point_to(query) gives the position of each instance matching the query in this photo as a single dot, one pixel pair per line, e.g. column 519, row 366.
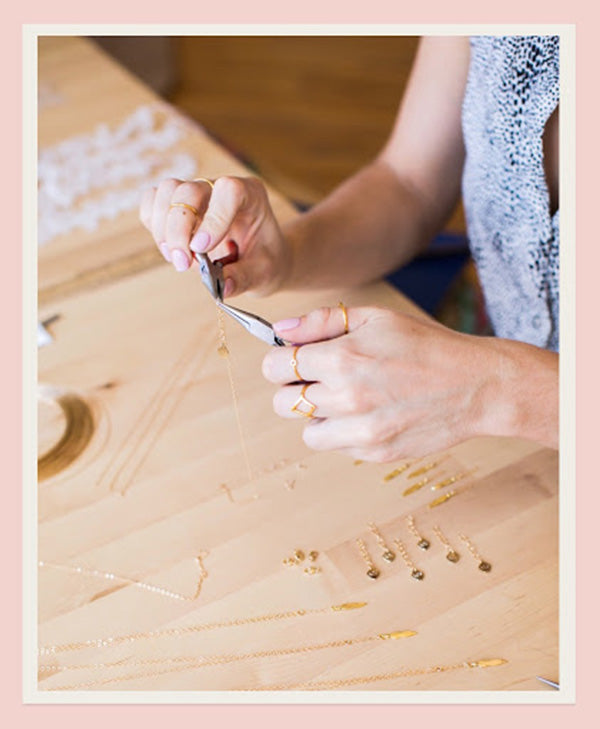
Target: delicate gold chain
column 357, row 680
column 192, row 662
column 388, row 555
column 422, row 543
column 484, row 566
column 116, row 640
column 451, row 554
column 372, row 572
column 223, row 350
column 416, row 573
column 76, row 569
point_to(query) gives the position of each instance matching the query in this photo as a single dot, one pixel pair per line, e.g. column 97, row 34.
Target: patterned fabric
column 512, row 89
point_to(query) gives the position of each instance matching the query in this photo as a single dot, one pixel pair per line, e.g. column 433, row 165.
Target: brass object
column 483, row 565
column 396, row 472
column 184, row 206
column 387, row 554
column 372, row 572
column 422, row 543
column 294, row 364
column 345, row 315
column 415, row 572
column 451, row 554
column 416, row 486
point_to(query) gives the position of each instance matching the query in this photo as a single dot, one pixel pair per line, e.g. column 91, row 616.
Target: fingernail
column 180, row 259
column 200, row 241
column 285, row 324
column 164, row 249
column 229, row 287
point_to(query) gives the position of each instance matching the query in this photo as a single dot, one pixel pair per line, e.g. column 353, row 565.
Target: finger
column 160, row 210
column 230, row 195
column 293, row 401
column 326, row 323
column 146, row 206
column 322, row 362
column 186, row 207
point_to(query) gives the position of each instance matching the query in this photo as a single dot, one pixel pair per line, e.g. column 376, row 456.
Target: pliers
column 212, row 277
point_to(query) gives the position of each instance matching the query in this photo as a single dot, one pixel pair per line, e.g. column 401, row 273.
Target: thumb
column 321, row 324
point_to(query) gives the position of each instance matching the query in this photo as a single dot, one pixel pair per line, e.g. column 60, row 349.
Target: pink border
column 579, row 12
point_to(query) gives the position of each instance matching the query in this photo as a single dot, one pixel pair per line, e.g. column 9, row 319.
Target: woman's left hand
column 395, row 386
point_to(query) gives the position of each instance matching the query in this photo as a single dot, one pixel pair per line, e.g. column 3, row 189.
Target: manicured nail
column 180, row 259
column 200, row 241
column 286, row 324
column 164, row 249
column 229, row 287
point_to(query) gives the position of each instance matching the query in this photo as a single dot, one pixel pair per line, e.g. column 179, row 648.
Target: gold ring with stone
column 345, row 315
column 294, row 363
column 303, row 400
column 204, row 179
column 184, row 205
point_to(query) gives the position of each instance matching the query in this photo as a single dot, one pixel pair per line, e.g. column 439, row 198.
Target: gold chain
column 484, row 566
column 187, row 663
column 422, row 543
column 388, row 555
column 73, row 569
column 190, row 629
column 356, row 680
column 416, row 573
column 223, row 350
column 451, row 554
column 372, row 572
column 396, row 472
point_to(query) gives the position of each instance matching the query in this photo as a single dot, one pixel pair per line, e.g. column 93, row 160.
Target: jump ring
column 183, row 205
column 204, row 179
column 345, row 315
column 294, row 363
column 303, row 400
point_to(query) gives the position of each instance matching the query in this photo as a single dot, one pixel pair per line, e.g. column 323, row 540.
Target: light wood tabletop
column 167, row 562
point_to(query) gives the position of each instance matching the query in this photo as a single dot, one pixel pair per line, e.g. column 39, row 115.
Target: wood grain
column 145, row 497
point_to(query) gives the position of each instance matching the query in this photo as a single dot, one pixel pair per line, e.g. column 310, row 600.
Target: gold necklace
column 199, row 628
column 223, row 351
column 129, row 581
column 192, row 662
column 356, row 680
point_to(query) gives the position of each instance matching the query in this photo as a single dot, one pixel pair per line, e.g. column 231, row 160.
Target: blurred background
column 304, row 113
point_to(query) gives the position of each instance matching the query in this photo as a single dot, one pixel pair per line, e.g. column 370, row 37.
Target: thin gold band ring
column 345, row 315
column 294, row 363
column 185, row 206
column 204, row 179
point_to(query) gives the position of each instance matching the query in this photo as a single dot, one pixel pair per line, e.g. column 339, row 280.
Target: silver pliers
column 212, row 277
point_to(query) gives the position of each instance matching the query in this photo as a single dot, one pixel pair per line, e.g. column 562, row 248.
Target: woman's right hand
column 235, row 223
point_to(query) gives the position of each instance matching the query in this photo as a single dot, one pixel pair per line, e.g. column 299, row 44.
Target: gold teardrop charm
column 487, row 662
column 452, row 556
column 373, row 573
column 417, row 574
column 423, row 544
column 388, row 555
column 349, row 606
column 397, row 634
column 485, row 566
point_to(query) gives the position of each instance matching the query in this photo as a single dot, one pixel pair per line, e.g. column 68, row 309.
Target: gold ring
column 294, row 363
column 345, row 315
column 183, row 205
column 303, row 400
column 204, row 179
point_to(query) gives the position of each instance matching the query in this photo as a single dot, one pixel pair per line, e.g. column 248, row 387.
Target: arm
column 388, row 212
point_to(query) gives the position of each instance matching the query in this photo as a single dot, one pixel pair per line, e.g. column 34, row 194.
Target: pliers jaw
column 212, row 275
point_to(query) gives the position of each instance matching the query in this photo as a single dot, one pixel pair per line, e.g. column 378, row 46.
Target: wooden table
column 150, row 475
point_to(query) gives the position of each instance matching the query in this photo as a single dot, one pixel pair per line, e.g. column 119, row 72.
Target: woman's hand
column 397, row 386
column 234, row 221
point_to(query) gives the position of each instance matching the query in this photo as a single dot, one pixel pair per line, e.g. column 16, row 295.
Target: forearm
column 521, row 393
column 369, row 226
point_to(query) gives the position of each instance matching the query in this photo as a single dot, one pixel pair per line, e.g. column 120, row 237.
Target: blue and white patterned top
column 512, row 89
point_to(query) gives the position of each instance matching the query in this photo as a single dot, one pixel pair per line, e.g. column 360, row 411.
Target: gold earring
column 372, row 572
column 422, row 543
column 415, row 572
column 451, row 554
column 388, row 555
column 483, row 565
